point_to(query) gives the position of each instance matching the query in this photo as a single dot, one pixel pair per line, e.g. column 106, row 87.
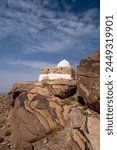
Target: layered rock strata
column 43, row 120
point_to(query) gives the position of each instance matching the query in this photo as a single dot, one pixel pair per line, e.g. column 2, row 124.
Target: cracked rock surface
column 88, row 77
column 43, row 120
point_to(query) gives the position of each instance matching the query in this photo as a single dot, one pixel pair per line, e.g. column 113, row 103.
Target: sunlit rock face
column 47, row 114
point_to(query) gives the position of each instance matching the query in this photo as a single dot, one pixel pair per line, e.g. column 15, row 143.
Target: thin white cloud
column 32, row 64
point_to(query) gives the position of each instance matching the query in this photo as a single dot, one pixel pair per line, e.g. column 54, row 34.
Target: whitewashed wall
column 54, row 76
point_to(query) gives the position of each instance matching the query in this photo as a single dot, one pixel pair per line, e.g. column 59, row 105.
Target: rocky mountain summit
column 53, row 114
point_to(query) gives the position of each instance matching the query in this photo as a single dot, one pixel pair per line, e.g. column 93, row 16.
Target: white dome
column 63, row 63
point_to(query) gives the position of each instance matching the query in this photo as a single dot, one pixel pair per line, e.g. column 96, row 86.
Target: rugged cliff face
column 88, row 76
column 53, row 115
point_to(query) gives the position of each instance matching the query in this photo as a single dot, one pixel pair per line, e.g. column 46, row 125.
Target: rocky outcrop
column 88, row 76
column 41, row 119
column 61, row 88
column 58, row 88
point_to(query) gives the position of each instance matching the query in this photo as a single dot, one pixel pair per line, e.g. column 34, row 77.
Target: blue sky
column 37, row 33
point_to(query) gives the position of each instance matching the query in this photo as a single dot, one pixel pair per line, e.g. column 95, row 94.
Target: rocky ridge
column 53, row 115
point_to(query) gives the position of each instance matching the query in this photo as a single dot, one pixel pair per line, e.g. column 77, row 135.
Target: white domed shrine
column 62, row 71
column 63, row 63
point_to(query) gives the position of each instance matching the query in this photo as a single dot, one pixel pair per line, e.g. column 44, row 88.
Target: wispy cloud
column 42, row 29
column 32, row 64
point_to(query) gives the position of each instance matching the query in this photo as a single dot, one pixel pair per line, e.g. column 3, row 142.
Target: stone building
column 62, row 71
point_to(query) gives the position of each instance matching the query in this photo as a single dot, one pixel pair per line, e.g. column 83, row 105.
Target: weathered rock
column 58, row 88
column 36, row 113
column 93, row 126
column 63, row 91
column 46, row 122
column 88, row 76
column 5, row 121
column 61, row 88
column 22, row 87
column 33, row 120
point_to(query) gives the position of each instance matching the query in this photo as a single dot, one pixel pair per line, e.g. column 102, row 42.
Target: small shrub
column 84, row 113
column 70, row 100
column 73, row 98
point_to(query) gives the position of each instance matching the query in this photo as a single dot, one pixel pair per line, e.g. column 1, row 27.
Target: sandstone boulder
column 46, row 122
column 93, row 126
column 61, row 88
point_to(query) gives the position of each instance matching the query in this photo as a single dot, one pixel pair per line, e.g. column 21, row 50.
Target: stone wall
column 58, row 70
